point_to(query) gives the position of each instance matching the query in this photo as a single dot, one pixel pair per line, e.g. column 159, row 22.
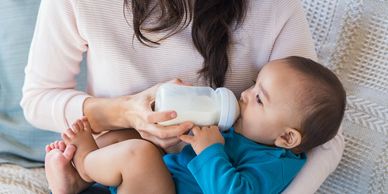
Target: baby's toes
column 86, row 124
column 62, row 146
column 70, row 133
column 75, row 128
column 56, row 145
column 52, row 146
column 80, row 125
column 47, row 148
column 65, row 138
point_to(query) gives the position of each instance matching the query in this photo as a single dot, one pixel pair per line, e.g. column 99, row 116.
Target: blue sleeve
column 215, row 174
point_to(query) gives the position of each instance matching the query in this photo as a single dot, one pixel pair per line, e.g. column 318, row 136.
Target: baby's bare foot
column 80, row 135
column 60, row 145
column 61, row 175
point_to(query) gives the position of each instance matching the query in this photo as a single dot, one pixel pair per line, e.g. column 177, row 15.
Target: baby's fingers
column 187, row 138
column 196, row 130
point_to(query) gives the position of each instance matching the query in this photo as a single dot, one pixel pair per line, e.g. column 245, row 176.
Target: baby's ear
column 291, row 138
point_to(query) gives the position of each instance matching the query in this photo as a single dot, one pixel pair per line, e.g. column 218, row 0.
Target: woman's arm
column 294, row 38
column 50, row 100
column 135, row 111
column 321, row 161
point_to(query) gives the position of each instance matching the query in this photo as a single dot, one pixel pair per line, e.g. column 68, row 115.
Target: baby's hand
column 203, row 138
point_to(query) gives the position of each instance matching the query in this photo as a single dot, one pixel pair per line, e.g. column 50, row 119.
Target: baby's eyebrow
column 264, row 92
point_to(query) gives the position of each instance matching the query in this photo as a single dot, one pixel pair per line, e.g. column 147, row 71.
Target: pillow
column 20, row 143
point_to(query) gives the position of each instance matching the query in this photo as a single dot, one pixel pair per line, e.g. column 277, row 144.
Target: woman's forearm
column 50, row 100
column 135, row 111
column 106, row 113
column 321, row 161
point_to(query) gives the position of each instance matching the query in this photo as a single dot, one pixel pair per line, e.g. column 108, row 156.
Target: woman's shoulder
column 279, row 7
column 289, row 4
column 271, row 16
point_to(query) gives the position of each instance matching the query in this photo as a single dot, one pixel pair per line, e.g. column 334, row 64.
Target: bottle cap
column 229, row 108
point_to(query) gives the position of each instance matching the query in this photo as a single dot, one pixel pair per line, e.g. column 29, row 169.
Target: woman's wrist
column 106, row 113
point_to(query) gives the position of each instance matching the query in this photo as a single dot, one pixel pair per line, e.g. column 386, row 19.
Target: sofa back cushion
column 20, row 142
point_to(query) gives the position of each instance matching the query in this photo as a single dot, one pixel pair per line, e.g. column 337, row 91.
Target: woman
column 133, row 47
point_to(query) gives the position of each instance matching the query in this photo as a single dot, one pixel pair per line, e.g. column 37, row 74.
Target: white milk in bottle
column 201, row 105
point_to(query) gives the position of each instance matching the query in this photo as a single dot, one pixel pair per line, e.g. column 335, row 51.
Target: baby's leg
column 80, row 135
column 135, row 166
column 138, row 165
column 116, row 136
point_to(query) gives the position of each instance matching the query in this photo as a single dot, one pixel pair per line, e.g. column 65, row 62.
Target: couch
column 351, row 38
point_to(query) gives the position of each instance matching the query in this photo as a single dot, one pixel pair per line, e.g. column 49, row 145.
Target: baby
column 295, row 105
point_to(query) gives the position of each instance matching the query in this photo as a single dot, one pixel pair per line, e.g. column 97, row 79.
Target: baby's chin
column 238, row 125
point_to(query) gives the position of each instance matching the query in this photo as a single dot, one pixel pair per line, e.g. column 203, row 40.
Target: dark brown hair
column 323, row 105
column 212, row 23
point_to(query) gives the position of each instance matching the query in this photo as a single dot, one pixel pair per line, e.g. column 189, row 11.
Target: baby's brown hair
column 323, row 103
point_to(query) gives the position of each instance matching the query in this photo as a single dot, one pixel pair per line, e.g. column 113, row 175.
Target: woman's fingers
column 169, row 131
column 196, row 130
column 164, row 143
column 150, row 92
column 175, row 81
column 144, row 119
column 165, row 136
column 214, row 128
column 179, row 82
column 155, row 117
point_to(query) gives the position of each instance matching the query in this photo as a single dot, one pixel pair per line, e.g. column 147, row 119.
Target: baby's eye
column 258, row 99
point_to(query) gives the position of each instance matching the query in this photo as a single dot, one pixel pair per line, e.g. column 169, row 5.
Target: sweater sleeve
column 49, row 99
column 295, row 39
column 215, row 174
column 321, row 161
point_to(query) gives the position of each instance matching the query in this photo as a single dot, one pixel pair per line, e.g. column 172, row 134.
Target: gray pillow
column 20, row 143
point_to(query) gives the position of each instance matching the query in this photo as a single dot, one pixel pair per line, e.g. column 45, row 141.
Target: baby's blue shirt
column 239, row 166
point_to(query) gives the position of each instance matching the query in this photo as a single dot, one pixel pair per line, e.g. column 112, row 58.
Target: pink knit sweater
column 117, row 64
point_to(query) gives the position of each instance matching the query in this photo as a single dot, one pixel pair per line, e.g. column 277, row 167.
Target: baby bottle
column 201, row 105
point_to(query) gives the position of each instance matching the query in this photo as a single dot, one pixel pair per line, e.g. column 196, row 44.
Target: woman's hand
column 203, row 138
column 135, row 111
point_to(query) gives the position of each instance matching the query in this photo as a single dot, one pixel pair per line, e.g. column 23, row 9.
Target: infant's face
column 271, row 105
